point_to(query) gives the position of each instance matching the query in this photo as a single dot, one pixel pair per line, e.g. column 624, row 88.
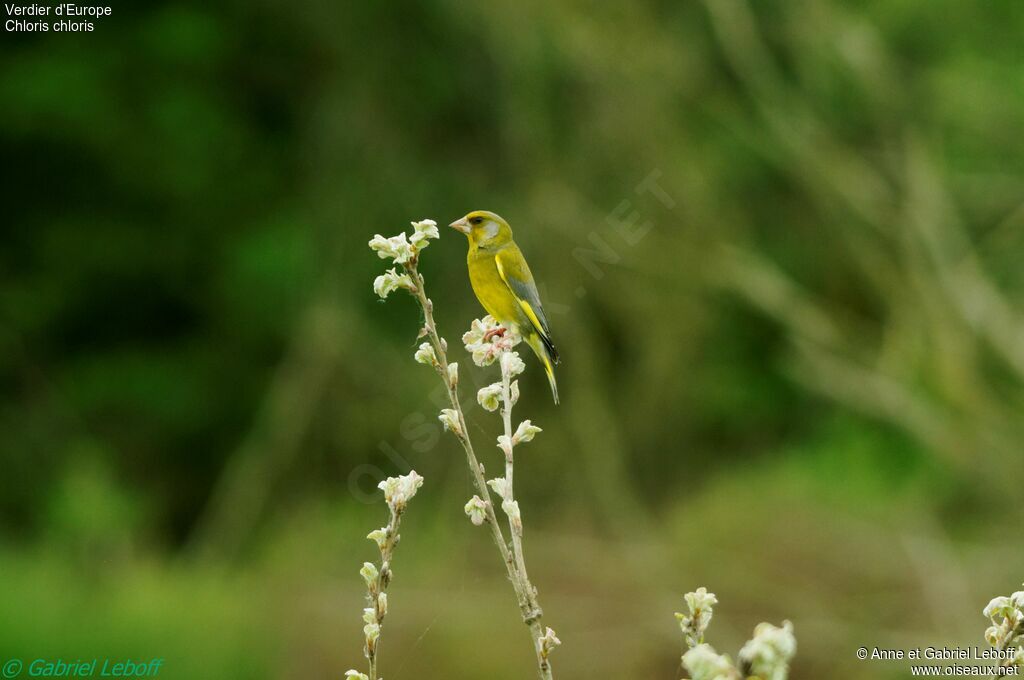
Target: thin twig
column 397, row 493
column 384, row 580
column 516, row 525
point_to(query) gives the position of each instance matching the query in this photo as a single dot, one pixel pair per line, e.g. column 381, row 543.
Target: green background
column 796, row 377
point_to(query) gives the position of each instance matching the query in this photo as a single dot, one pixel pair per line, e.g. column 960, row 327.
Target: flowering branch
column 485, row 348
column 487, row 342
column 764, row 656
column 1007, row 630
column 397, row 493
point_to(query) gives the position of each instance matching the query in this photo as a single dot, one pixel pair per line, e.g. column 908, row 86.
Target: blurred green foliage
column 820, row 333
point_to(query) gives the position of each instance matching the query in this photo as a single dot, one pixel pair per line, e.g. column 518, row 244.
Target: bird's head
column 484, row 228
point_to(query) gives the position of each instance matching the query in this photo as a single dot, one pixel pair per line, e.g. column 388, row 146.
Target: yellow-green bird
column 504, row 285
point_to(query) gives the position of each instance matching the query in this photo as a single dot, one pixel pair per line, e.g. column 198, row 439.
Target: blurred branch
column 821, row 160
column 958, row 269
column 878, row 395
column 831, row 370
column 926, row 376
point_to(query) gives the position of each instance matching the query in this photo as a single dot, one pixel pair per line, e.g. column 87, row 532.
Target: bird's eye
column 476, row 220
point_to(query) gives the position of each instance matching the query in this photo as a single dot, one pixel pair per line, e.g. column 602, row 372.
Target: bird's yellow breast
column 490, row 289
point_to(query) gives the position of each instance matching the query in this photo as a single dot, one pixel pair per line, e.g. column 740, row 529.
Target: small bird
column 504, row 285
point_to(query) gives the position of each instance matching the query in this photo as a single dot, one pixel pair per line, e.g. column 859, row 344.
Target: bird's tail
column 547, row 357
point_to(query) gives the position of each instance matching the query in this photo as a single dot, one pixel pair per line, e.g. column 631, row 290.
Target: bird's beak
column 460, row 225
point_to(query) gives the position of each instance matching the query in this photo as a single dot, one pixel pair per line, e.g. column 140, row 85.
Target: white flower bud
column 476, row 510
column 423, row 231
column 547, row 642
column 993, row 635
column 703, row 663
column 1007, row 614
column 403, row 250
column 505, row 444
column 453, row 374
column 499, row 485
column 525, row 432
column 768, row 653
column 369, row 573
column 390, row 281
column 425, row 354
column 355, row 675
column 399, row 490
column 426, row 229
column 477, row 329
column 486, row 339
column 372, row 632
column 700, row 604
column 511, row 364
column 410, row 484
column 999, row 608
column 514, row 392
column 490, row 397
column 369, row 615
column 381, row 246
column 450, row 419
column 378, row 536
column 382, row 603
column 397, row 248
column 511, row 509
column 701, row 599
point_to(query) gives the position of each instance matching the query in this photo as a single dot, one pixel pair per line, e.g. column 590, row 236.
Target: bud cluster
column 1007, row 630
column 398, row 491
column 765, row 656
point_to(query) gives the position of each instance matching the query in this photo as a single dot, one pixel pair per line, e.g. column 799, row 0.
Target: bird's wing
column 514, row 271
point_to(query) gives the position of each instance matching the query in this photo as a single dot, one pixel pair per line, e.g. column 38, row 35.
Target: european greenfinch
column 502, row 282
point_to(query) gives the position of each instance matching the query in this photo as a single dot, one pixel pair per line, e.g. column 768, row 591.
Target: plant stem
column 516, row 527
column 513, row 559
column 383, row 581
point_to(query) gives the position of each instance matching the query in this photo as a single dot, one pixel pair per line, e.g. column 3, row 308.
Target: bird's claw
column 494, row 332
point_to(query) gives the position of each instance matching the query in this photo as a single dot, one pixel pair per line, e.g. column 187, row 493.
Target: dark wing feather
column 516, row 274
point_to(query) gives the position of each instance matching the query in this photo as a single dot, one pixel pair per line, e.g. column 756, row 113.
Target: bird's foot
column 494, row 332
